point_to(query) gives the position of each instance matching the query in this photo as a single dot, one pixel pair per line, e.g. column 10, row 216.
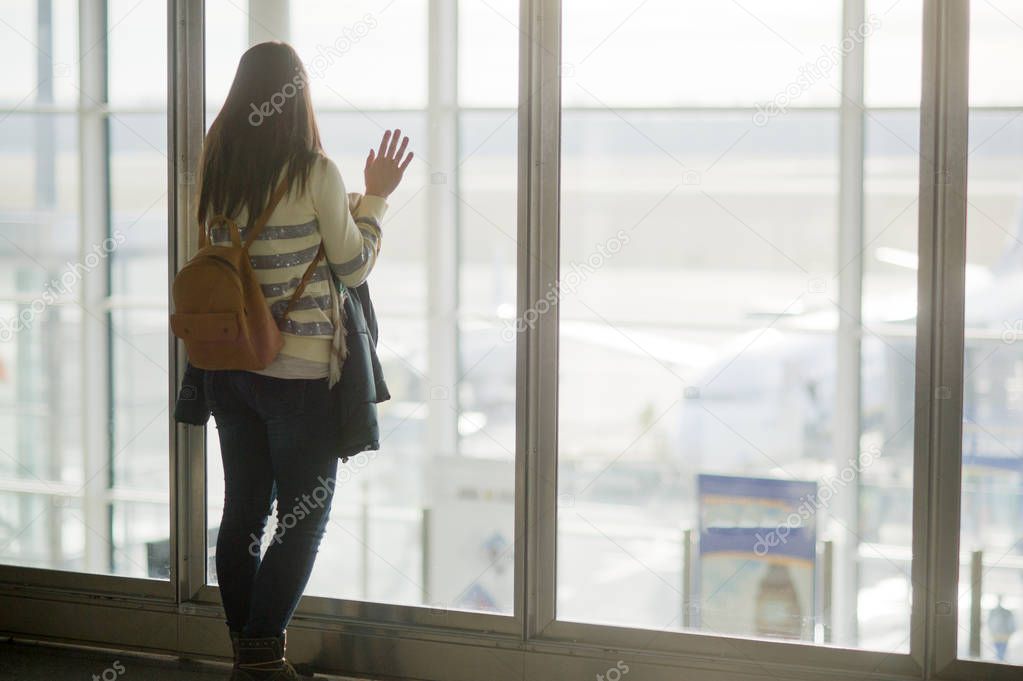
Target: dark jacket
column 354, row 397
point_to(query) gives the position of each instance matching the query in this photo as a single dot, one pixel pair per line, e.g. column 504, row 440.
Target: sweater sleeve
column 351, row 240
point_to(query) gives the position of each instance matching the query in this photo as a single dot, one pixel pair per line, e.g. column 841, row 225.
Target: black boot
column 262, row 659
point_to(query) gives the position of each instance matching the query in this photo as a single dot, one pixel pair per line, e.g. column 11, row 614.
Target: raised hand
column 386, row 166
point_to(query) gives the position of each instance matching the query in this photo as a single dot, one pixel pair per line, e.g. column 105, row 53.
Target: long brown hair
column 267, row 121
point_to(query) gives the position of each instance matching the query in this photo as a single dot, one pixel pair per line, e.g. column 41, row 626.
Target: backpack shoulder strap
column 305, row 280
column 257, row 228
column 264, row 217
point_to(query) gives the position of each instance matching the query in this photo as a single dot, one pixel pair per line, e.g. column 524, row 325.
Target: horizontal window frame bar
column 83, row 586
column 907, row 108
column 354, row 612
column 695, row 644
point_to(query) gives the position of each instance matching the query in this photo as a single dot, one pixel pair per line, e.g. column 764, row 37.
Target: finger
column 394, row 142
column 408, row 160
column 383, row 143
column 401, row 149
column 369, row 159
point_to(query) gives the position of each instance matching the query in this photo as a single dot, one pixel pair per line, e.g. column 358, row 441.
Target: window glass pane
column 887, row 376
column 360, row 54
column 142, row 549
column 710, row 350
column 40, row 185
column 428, row 519
column 996, row 30
column 41, row 461
column 20, row 31
column 138, row 303
column 785, row 52
column 139, row 331
column 892, row 52
column 83, row 303
column 138, row 205
column 227, row 26
column 991, row 552
column 43, row 530
column 42, row 39
column 139, row 371
column 488, row 254
column 488, row 63
column 137, row 52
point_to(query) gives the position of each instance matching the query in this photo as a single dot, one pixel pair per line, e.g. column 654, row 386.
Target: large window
column 83, row 287
column 699, row 319
column 991, row 542
column 429, row 519
column 736, row 347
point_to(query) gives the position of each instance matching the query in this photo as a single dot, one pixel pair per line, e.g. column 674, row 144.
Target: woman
column 272, row 422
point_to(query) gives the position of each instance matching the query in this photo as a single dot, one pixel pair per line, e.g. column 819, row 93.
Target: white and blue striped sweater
column 348, row 226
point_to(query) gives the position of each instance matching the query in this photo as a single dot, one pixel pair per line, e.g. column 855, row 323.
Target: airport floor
column 21, row 661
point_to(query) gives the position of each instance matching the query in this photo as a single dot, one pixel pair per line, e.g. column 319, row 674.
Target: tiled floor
column 35, row 662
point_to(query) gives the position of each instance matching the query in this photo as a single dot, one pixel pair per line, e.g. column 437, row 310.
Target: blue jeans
column 273, row 443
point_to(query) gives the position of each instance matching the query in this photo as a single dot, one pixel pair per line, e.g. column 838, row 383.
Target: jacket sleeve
column 351, row 238
column 191, row 405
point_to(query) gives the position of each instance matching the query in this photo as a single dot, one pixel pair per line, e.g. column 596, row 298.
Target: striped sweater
column 348, row 225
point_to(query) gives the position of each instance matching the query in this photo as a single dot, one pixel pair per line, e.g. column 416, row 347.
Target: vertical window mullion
column 442, row 246
column 540, row 98
column 940, row 326
column 94, row 163
column 844, row 589
column 185, row 134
